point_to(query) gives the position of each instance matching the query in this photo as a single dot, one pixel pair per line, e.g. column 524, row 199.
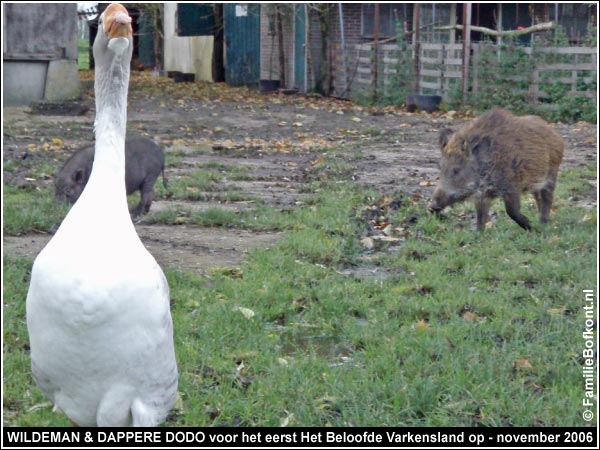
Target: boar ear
column 479, row 146
column 445, row 137
column 78, row 176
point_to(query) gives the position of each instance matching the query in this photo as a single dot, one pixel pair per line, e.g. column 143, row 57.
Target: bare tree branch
column 488, row 31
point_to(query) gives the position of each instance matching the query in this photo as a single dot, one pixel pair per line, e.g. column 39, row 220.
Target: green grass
column 83, row 58
column 441, row 341
column 25, row 211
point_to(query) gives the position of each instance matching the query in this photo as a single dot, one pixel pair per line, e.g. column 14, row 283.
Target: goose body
column 98, row 311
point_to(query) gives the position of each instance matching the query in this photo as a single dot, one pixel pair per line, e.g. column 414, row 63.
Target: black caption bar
column 300, row 437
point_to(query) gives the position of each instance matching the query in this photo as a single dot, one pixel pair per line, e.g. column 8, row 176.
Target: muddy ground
column 276, row 139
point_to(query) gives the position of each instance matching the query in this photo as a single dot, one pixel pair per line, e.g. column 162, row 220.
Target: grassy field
column 448, row 328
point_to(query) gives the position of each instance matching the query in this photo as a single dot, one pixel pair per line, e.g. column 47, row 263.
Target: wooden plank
column 541, row 94
column 388, row 47
column 431, row 73
column 569, row 67
column 432, row 46
column 568, row 50
column 452, row 74
column 430, row 85
column 562, row 80
column 425, row 60
column 17, row 56
column 453, row 61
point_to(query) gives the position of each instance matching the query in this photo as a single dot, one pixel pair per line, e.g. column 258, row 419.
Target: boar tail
column 164, row 178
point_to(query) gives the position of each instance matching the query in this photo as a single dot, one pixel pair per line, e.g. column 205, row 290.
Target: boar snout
column 442, row 199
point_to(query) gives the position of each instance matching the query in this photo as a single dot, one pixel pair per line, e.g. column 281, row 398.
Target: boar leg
column 545, row 196
column 483, row 211
column 545, row 204
column 512, row 203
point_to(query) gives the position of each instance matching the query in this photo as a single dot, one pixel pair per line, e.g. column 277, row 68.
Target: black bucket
column 427, row 103
column 267, row 86
column 184, row 77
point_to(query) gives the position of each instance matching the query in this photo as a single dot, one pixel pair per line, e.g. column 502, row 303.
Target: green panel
column 146, row 40
column 242, row 43
column 299, row 47
column 195, row 19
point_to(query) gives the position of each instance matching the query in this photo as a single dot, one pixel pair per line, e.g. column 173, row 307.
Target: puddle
column 366, row 273
column 295, row 341
column 373, row 273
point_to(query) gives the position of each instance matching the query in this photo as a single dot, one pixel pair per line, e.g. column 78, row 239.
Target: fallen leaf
column 356, row 119
column 180, row 220
column 556, row 311
column 297, row 124
column 39, row 406
column 246, row 312
column 367, row 243
column 522, row 364
column 178, row 406
column 472, row 317
column 421, row 325
column 426, row 183
column 287, row 420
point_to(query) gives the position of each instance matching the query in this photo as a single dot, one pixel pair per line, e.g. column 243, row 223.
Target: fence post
column 466, row 49
column 417, row 45
column 443, row 71
column 375, row 51
column 476, row 55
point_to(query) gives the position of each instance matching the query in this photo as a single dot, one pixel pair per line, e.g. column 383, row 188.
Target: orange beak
column 117, row 22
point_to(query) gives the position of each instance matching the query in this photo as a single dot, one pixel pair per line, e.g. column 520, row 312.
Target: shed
column 40, row 52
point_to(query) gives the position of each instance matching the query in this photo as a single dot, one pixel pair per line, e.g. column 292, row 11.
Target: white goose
column 98, row 312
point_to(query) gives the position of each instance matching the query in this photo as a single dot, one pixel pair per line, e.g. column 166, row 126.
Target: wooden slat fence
column 441, row 69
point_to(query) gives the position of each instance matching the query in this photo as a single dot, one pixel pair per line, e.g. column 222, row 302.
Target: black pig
column 144, row 162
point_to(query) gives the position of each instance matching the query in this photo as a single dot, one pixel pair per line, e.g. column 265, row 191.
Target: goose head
column 114, row 41
column 113, row 48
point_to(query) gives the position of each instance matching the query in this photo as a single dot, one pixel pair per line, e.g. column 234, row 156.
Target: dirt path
column 271, row 139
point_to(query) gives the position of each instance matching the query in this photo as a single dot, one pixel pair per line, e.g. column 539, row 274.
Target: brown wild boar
column 144, row 162
column 499, row 155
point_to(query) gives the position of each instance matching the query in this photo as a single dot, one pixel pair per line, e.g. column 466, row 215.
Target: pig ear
column 78, row 176
column 445, row 137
